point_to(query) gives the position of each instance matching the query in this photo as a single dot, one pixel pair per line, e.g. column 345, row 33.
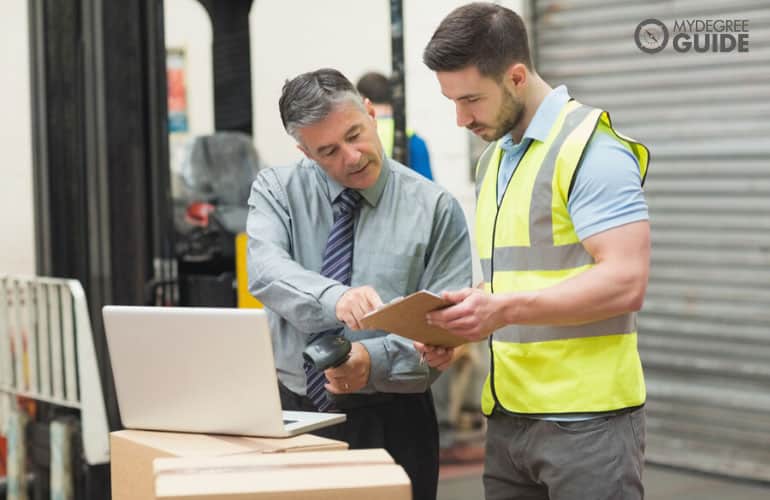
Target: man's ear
column 369, row 107
column 516, row 76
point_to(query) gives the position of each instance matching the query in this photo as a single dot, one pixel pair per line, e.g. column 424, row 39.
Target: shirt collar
column 544, row 118
column 371, row 194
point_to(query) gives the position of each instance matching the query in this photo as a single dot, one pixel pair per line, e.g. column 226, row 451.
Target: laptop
column 195, row 369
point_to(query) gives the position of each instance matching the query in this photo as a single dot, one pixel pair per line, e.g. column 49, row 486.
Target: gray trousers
column 597, row 459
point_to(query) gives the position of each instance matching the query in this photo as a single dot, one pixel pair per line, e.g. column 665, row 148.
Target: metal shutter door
column 705, row 327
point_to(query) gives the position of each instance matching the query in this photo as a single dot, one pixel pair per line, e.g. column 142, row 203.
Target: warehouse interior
column 133, row 132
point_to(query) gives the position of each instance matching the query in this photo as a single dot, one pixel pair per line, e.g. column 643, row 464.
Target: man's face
column 346, row 145
column 483, row 106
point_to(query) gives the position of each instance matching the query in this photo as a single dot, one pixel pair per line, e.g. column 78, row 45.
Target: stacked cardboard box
column 148, row 465
column 133, row 451
column 340, row 475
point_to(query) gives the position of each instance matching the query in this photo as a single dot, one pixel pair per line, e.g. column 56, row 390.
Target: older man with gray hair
column 332, row 238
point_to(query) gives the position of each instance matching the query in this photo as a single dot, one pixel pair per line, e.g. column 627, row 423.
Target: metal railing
column 47, row 353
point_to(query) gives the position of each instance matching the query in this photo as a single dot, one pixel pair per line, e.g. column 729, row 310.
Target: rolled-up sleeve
column 306, row 299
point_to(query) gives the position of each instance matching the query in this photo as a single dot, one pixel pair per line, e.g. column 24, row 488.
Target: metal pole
column 400, row 145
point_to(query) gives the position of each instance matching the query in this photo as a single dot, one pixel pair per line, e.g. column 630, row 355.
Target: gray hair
column 309, row 98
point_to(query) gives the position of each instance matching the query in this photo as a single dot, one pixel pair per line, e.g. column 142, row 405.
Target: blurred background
column 131, row 132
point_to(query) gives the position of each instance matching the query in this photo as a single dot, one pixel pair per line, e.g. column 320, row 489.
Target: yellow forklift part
column 245, row 299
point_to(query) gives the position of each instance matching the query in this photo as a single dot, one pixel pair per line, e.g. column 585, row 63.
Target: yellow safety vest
column 529, row 243
column 386, row 130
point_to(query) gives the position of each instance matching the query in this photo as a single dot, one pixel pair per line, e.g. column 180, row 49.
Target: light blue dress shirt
column 608, row 188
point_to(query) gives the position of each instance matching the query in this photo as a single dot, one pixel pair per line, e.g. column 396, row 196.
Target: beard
column 507, row 118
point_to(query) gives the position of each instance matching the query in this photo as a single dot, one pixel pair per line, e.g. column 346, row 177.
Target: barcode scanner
column 328, row 351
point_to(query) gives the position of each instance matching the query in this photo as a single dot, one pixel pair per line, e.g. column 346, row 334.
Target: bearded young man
column 564, row 240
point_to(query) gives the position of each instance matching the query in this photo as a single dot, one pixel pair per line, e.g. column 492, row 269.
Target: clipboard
column 406, row 317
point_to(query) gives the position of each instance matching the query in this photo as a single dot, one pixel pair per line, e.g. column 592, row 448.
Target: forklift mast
column 102, row 188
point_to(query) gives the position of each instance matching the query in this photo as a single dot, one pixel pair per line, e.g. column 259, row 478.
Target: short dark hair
column 479, row 34
column 375, row 87
column 308, row 98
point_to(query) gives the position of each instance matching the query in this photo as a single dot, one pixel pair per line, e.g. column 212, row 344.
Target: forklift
column 104, row 214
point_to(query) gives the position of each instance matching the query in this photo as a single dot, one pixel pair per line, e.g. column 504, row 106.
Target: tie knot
column 347, row 201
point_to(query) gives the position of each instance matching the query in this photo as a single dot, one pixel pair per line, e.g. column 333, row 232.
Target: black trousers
column 404, row 424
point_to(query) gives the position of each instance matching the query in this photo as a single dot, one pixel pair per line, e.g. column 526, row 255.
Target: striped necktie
column 337, row 265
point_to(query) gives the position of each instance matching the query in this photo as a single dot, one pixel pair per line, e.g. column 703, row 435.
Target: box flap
column 208, row 445
column 254, row 462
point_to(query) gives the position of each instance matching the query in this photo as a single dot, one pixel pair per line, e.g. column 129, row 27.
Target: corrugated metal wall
column 705, row 326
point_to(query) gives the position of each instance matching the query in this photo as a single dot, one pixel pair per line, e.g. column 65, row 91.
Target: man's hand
column 355, row 304
column 437, row 357
column 352, row 375
column 474, row 315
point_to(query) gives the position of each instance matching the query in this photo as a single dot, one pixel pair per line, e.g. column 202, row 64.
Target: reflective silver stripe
column 486, row 269
column 483, row 165
column 522, row 334
column 540, row 213
column 536, row 259
column 542, row 258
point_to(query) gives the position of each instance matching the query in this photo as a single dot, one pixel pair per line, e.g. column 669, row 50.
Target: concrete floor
column 661, row 483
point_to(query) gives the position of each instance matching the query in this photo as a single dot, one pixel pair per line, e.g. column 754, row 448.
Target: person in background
column 332, row 238
column 375, row 87
column 563, row 235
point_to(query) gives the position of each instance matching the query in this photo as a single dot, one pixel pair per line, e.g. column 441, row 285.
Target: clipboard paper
column 406, row 317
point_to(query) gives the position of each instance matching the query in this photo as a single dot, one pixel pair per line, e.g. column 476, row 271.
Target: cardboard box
column 132, row 453
column 339, row 475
